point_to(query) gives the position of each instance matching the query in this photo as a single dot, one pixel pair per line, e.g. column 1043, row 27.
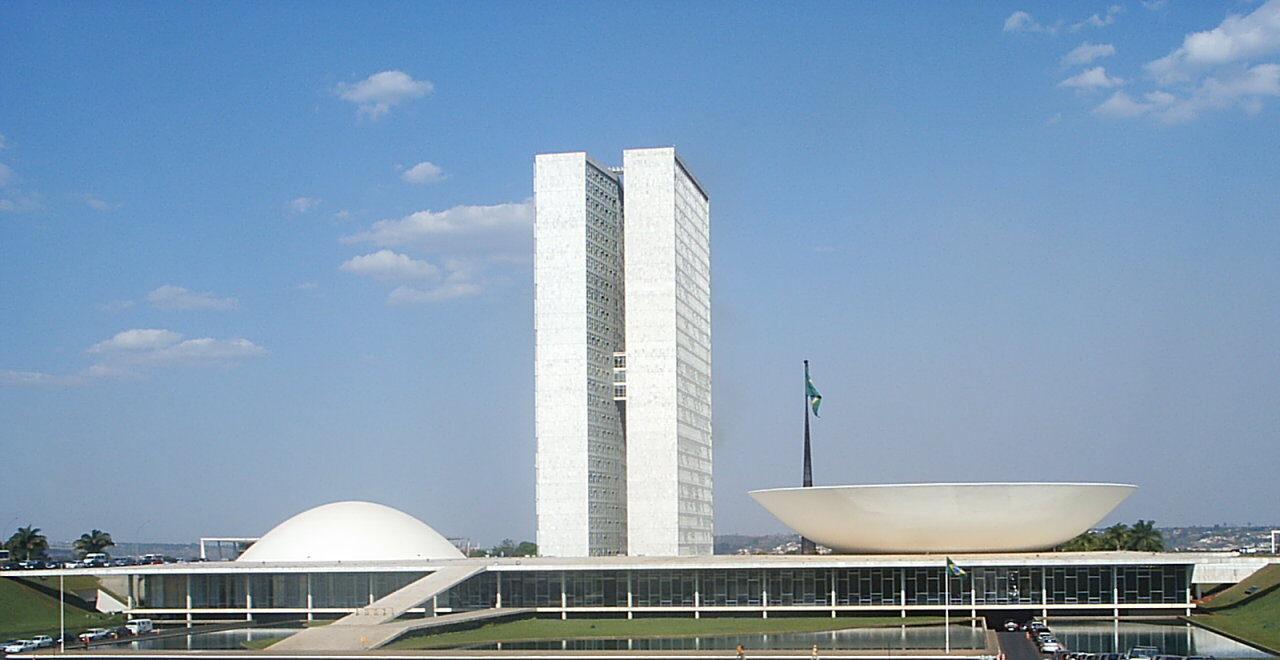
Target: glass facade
column 882, row 587
column 266, row 590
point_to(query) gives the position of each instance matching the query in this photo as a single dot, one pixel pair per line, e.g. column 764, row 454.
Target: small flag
column 815, row 399
column 954, row 570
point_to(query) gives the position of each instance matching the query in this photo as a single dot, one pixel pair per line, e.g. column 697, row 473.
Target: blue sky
column 255, row 257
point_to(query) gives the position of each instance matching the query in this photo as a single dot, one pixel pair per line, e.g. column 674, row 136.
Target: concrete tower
column 622, row 288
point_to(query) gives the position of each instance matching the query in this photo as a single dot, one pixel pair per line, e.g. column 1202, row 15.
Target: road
column 1016, row 646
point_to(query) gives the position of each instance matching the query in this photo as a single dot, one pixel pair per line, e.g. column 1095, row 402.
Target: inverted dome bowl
column 966, row 517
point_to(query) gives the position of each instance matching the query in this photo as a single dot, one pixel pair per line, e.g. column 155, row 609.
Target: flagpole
column 807, row 547
column 946, row 605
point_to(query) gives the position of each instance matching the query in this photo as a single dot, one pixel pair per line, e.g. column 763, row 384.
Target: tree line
column 1142, row 537
column 28, row 543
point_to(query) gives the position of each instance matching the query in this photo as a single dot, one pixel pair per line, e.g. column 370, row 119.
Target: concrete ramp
column 372, row 626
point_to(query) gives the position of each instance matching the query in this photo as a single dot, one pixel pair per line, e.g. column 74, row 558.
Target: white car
column 1051, row 646
column 20, row 646
column 43, row 641
column 93, row 633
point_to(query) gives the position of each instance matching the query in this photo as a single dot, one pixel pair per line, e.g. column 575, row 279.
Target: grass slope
column 1255, row 618
column 1265, row 578
column 658, row 627
column 26, row 611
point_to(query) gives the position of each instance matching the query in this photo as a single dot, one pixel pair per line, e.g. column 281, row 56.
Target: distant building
column 622, row 319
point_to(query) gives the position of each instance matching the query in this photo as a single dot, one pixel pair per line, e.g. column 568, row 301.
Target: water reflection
column 1172, row 639
column 963, row 637
column 224, row 639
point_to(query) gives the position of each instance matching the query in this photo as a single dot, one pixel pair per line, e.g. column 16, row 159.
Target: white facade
column 668, row 343
column 622, row 278
column 578, row 322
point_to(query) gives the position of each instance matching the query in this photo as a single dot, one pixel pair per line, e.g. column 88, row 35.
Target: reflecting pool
column 1107, row 636
column 221, row 640
column 963, row 637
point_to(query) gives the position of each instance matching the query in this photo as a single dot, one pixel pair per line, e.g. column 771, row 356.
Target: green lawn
column 25, row 611
column 1265, row 578
column 1256, row 619
column 665, row 627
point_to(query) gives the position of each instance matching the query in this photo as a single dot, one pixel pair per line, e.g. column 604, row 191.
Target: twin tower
column 622, row 318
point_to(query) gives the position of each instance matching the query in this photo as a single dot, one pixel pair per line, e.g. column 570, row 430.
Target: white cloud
column 1242, row 88
column 1021, row 21
column 302, row 204
column 4, row 144
column 1087, row 52
column 115, row 305
column 133, row 340
column 468, row 241
column 424, row 172
column 376, row 95
column 97, row 204
column 176, row 297
column 6, row 174
column 407, row 295
column 135, row 353
column 21, row 203
column 1236, row 39
column 1095, row 78
column 1097, row 20
column 496, row 229
column 390, row 266
column 1153, row 4
column 306, row 286
column 1123, row 105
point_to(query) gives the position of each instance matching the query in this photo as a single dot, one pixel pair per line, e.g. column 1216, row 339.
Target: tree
column 27, row 543
column 95, row 541
column 1144, row 537
column 509, row 548
column 1086, row 542
column 1115, row 537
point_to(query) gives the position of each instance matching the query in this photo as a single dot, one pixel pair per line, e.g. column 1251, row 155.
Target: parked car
column 140, row 626
column 20, row 646
column 96, row 559
column 119, row 632
column 1050, row 646
column 43, row 641
column 93, row 634
column 1143, row 653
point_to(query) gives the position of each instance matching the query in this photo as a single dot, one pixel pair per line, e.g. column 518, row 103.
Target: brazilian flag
column 955, row 570
column 815, row 399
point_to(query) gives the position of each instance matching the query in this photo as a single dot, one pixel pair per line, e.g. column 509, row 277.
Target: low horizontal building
column 1047, row 584
column 373, row 561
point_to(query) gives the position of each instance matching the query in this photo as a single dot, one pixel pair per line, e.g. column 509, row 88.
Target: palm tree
column 94, row 541
column 1144, row 537
column 27, row 543
column 1115, row 537
column 1086, row 542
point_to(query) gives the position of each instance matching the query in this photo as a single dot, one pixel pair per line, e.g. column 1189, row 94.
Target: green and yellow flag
column 955, row 570
column 815, row 399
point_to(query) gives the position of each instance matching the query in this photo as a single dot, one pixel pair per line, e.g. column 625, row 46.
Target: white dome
column 351, row 531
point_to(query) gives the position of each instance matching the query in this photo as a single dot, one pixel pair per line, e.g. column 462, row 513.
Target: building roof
column 350, row 531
